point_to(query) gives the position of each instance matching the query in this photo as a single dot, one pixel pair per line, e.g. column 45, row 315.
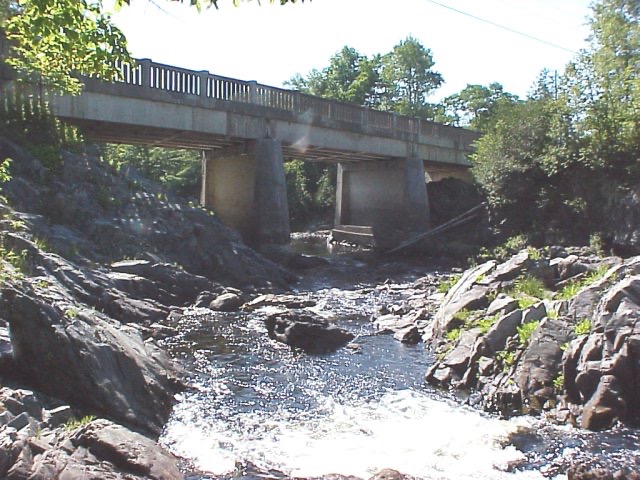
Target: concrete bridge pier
column 387, row 198
column 245, row 187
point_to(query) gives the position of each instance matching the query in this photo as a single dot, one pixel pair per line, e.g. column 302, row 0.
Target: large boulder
column 85, row 358
column 306, row 331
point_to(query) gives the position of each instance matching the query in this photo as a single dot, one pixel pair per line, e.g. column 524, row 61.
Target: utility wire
column 508, row 29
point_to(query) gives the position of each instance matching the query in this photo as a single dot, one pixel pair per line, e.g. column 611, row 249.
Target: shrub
column 73, row 423
column 525, row 331
column 447, row 284
column 583, row 327
column 453, row 335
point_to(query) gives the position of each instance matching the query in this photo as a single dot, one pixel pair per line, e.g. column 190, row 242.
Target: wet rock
column 409, row 335
column 389, row 474
column 90, row 361
column 391, row 323
column 288, row 302
column 306, row 331
column 227, row 302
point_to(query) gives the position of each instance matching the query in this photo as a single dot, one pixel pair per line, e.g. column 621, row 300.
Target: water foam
column 404, row 430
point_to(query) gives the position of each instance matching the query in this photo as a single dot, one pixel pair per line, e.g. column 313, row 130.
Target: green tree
column 60, row 39
column 408, row 79
column 57, row 40
column 475, row 106
column 350, row 77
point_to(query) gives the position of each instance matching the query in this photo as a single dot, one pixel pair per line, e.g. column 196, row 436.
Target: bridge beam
column 390, row 197
column 245, row 186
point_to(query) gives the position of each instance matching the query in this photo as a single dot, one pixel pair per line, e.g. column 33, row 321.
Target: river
column 356, row 411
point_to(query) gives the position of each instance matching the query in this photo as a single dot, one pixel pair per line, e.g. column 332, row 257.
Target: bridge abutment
column 245, row 186
column 390, row 197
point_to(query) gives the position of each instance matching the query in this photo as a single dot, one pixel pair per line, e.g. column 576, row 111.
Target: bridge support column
column 390, row 197
column 245, row 186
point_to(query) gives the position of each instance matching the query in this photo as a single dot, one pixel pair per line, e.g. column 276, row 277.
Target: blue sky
column 271, row 43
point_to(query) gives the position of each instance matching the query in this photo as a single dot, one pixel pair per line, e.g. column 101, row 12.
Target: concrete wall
column 389, row 196
column 245, row 187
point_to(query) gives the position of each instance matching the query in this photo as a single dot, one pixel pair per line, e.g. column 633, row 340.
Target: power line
column 503, row 27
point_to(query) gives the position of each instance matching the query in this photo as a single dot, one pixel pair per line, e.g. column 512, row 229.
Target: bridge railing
column 148, row 74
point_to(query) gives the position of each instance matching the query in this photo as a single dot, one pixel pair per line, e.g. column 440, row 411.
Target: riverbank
column 126, row 315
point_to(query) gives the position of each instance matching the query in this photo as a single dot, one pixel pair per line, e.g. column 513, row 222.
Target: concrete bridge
column 247, row 130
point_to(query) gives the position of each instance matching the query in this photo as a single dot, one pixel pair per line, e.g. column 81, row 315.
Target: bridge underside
column 109, row 132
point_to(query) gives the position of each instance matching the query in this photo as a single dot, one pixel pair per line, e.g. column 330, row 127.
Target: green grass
column 487, row 322
column 453, row 335
column 571, row 289
column 529, row 286
column 462, row 316
column 506, row 358
column 71, row 313
column 583, row 327
column 526, row 302
column 74, row 423
column 525, row 331
column 558, row 382
column 445, row 285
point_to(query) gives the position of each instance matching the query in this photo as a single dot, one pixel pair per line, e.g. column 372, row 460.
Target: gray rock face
column 85, row 359
column 602, row 371
column 104, row 450
column 306, row 331
column 541, row 362
column 465, row 294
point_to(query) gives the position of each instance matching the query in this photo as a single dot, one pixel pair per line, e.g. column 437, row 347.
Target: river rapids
column 353, row 412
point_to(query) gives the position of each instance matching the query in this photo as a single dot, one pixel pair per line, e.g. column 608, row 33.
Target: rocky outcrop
column 306, row 331
column 89, row 211
column 574, row 351
column 85, row 358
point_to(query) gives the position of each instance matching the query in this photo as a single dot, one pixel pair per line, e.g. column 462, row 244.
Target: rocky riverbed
column 103, row 274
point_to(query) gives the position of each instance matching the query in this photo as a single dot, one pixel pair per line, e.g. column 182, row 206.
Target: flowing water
column 353, row 412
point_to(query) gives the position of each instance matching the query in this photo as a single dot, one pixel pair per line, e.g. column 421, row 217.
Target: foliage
column 350, row 77
column 546, row 163
column 74, row 424
column 558, row 382
column 487, row 322
column 177, row 170
column 583, row 327
column 504, row 251
column 506, row 358
column 476, row 106
column 462, row 316
column 572, row 288
column 27, row 120
column 453, row 335
column 447, row 284
column 528, row 286
column 310, row 190
column 408, row 79
column 57, row 40
column 525, row 331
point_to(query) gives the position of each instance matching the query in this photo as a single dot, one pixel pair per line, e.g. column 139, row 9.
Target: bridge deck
column 161, row 105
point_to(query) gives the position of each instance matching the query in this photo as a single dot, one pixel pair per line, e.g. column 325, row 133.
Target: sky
column 271, row 43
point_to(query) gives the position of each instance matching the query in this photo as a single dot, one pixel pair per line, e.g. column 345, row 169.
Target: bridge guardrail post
column 365, row 119
column 203, row 75
column 253, row 92
column 394, row 122
column 145, row 72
